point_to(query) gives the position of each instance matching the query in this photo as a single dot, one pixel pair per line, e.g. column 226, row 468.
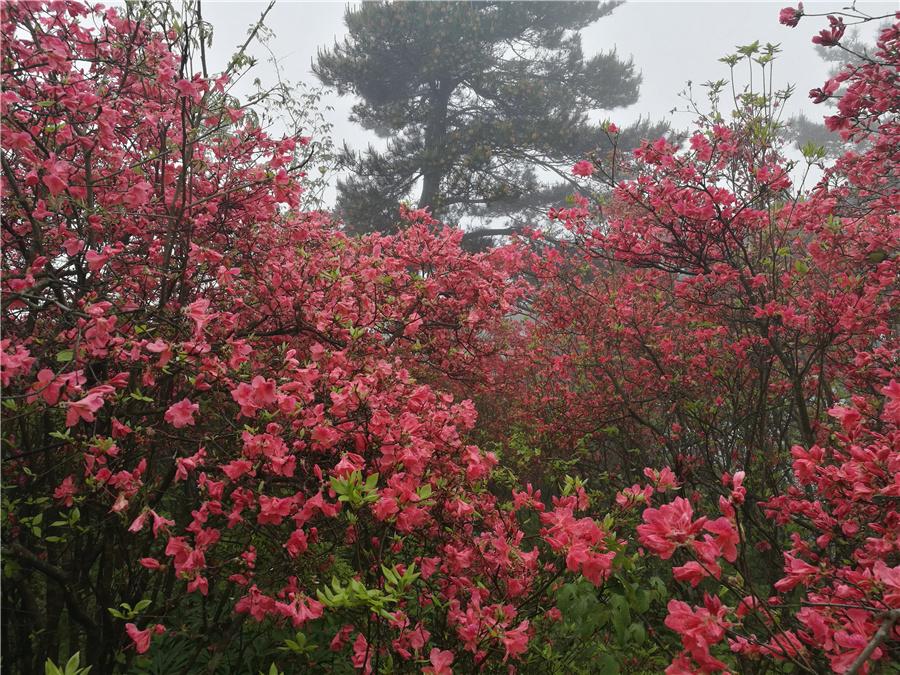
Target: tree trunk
column 432, row 155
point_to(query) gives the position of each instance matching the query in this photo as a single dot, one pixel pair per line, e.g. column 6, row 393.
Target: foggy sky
column 670, row 42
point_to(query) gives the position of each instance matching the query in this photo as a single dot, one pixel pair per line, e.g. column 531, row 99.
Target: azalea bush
column 236, row 439
column 221, row 412
column 716, row 331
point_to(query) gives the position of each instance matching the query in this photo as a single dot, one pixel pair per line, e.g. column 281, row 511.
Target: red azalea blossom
column 141, row 638
column 831, row 36
column 668, row 527
column 790, row 16
column 440, row 660
column 181, row 414
column 583, row 168
column 66, row 491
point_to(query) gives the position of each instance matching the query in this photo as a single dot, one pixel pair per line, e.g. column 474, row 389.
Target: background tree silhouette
column 484, row 105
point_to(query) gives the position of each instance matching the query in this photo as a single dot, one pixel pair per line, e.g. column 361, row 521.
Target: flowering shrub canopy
column 747, row 331
column 228, row 423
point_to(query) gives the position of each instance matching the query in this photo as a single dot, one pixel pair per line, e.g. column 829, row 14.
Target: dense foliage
column 235, row 436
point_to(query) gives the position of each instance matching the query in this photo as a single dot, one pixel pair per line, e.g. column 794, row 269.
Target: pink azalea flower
column 830, row 37
column 790, row 16
column 48, row 386
column 85, row 409
column 325, row 436
column 669, row 527
column 515, row 641
column 274, row 509
column 583, row 168
column 54, row 183
column 66, row 491
column 892, row 406
column 181, row 414
column 141, row 638
column 362, row 654
column 440, row 662
column 699, row 629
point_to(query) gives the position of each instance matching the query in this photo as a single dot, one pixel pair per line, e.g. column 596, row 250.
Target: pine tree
column 484, row 105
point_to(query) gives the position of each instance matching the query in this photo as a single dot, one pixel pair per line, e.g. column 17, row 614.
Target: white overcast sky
column 670, row 42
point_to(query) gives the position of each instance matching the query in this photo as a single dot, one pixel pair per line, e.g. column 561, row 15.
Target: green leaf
column 642, row 601
column 659, row 588
column 731, row 59
column 65, row 355
column 390, row 575
column 607, row 664
column 621, row 617
column 749, row 50
column 637, row 634
column 72, row 664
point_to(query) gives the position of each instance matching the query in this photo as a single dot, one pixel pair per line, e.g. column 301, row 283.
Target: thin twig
column 890, row 618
